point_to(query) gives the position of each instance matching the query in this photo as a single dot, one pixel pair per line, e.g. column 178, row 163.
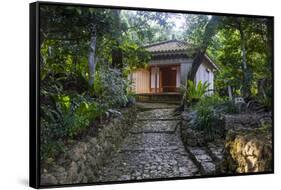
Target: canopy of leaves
column 241, row 47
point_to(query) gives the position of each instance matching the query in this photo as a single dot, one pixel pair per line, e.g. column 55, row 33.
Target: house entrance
column 169, row 79
column 164, row 78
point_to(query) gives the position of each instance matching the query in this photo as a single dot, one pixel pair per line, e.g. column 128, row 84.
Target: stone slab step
column 157, row 114
column 216, row 151
column 174, row 149
column 143, row 105
column 168, row 126
column 150, row 140
column 203, row 160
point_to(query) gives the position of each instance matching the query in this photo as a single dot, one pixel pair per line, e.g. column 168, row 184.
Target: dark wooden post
column 155, row 78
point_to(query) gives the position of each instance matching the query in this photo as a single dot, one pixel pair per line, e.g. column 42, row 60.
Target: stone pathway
column 153, row 149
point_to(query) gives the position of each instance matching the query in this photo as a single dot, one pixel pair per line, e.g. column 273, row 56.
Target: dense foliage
column 207, row 114
column 88, row 53
column 242, row 49
column 86, row 56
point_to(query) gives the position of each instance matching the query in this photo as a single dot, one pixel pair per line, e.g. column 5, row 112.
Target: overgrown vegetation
column 86, row 56
column 207, row 114
column 88, row 53
column 242, row 49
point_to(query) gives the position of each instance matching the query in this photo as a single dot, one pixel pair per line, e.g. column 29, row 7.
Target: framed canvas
column 122, row 94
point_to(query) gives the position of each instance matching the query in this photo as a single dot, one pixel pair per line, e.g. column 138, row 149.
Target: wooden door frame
column 160, row 89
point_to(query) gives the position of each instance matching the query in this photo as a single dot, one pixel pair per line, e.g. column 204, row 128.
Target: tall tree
column 117, row 54
column 92, row 55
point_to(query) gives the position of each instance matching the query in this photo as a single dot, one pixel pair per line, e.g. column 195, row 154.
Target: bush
column 110, row 87
column 207, row 114
column 66, row 118
column 266, row 101
column 78, row 117
column 192, row 93
column 65, row 114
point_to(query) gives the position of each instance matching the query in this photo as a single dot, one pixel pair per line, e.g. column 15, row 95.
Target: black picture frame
column 34, row 100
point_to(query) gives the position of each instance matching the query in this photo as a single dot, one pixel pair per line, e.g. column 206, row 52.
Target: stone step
column 216, row 151
column 150, row 140
column 174, row 149
column 159, row 98
column 203, row 160
column 157, row 114
column 155, row 126
column 147, row 106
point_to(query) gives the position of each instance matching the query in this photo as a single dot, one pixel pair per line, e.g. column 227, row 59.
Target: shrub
column 76, row 113
column 110, row 87
column 66, row 118
column 66, row 114
column 192, row 93
column 50, row 133
column 266, row 101
column 131, row 95
column 208, row 114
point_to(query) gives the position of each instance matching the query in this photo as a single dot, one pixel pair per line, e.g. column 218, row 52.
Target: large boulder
column 248, row 144
column 250, row 152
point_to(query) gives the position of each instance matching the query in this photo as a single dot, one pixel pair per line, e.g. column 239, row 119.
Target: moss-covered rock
column 248, row 151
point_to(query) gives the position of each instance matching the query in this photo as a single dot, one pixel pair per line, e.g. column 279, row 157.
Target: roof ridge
column 163, row 42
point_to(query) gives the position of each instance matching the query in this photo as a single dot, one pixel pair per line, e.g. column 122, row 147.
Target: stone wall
column 206, row 154
column 189, row 135
column 81, row 159
column 246, row 143
column 246, row 121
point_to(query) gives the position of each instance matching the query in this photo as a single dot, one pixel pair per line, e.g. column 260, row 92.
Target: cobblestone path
column 153, row 149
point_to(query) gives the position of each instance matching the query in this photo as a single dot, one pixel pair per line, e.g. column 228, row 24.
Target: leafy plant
column 67, row 117
column 207, row 114
column 110, row 87
column 265, row 95
column 192, row 92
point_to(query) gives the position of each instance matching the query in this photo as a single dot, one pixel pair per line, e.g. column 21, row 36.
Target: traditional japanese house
column 172, row 63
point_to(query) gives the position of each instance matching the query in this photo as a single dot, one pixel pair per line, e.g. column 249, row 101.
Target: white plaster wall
column 154, row 71
column 205, row 74
column 184, row 69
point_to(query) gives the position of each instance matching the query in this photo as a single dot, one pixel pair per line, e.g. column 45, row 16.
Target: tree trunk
column 269, row 44
column 244, row 60
column 229, row 92
column 266, row 82
column 246, row 82
column 117, row 56
column 92, row 58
